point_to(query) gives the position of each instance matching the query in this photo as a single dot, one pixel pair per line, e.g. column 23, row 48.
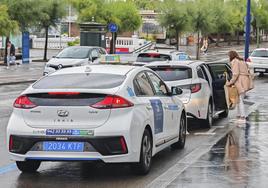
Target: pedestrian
column 204, row 47
column 241, row 79
column 10, row 54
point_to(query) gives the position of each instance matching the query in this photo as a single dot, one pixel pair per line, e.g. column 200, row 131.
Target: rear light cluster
column 23, row 102
column 110, row 102
column 195, row 88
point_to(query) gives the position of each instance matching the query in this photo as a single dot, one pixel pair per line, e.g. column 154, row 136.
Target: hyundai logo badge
column 63, row 113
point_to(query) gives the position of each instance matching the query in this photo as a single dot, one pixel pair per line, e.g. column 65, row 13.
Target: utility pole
column 247, row 40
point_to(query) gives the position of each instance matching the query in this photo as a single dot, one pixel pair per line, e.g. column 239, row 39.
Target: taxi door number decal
column 158, row 115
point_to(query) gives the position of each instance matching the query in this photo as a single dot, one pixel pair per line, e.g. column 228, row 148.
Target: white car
column 149, row 56
column 258, row 61
column 111, row 113
column 203, row 95
column 74, row 56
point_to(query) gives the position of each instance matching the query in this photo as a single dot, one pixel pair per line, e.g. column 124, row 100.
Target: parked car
column 109, row 113
column 258, row 61
column 160, row 55
column 203, row 87
column 74, row 56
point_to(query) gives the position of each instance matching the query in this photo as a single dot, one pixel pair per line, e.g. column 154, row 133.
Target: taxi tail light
column 10, row 143
column 195, row 88
column 110, row 102
column 23, row 102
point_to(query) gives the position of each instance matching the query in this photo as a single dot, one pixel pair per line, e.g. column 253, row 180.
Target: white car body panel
column 127, row 122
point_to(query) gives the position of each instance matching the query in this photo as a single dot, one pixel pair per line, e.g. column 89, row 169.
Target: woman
column 241, row 80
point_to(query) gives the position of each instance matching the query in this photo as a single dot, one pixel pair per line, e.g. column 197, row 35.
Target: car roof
column 87, row 47
column 155, row 52
column 98, row 68
column 258, row 49
column 188, row 63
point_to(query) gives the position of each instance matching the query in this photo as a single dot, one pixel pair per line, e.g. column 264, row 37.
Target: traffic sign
column 112, row 27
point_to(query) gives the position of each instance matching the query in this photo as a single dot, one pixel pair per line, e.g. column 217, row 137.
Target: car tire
column 143, row 167
column 261, row 74
column 28, row 166
column 182, row 135
column 209, row 120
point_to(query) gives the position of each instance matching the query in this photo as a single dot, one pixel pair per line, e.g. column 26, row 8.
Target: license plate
column 260, row 70
column 63, row 146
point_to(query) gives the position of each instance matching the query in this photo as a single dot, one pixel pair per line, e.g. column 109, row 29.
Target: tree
column 220, row 18
column 124, row 14
column 6, row 24
column 201, row 19
column 175, row 17
column 237, row 13
column 147, row 4
column 51, row 13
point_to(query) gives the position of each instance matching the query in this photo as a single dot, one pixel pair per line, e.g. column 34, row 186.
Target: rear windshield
column 174, row 73
column 150, row 57
column 260, row 53
column 80, row 81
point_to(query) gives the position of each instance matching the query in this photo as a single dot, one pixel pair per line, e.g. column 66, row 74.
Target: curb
column 18, row 82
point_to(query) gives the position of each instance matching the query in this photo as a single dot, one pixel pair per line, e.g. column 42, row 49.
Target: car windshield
column 80, row 81
column 260, row 53
column 173, row 73
column 150, row 57
column 74, row 53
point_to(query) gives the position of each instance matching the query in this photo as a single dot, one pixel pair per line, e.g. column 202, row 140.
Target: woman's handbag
column 231, row 95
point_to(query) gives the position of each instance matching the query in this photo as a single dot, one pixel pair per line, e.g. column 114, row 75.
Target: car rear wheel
column 209, row 120
column 182, row 135
column 143, row 167
column 28, row 166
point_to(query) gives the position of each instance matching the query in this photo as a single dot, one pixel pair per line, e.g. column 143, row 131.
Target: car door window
column 200, row 73
column 142, row 86
column 95, row 53
column 218, row 71
column 158, row 85
column 205, row 71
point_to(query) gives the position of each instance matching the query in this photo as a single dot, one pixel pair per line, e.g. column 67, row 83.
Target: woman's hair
column 233, row 54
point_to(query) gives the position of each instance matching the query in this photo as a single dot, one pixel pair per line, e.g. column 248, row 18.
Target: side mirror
column 176, row 91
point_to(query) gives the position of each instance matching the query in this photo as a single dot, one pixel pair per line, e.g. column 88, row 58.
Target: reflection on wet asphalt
column 238, row 160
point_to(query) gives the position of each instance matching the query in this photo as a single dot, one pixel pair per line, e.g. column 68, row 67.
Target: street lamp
column 247, row 39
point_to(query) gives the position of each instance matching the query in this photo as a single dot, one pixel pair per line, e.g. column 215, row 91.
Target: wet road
column 60, row 174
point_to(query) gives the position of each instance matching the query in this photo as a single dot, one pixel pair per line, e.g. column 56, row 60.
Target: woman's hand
column 228, row 83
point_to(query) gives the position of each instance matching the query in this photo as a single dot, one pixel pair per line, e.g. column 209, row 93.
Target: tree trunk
column 229, row 40
column 46, row 41
column 177, row 39
column 197, row 46
column 218, row 39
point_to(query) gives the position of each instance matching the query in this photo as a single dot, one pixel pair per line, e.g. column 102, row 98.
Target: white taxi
column 109, row 113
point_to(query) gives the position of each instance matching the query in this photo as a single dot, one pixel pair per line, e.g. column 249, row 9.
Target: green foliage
column 25, row 12
column 74, row 43
column 51, row 12
column 124, row 14
column 147, row 4
column 6, row 24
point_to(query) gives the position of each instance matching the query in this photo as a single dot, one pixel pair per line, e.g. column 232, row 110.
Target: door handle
column 166, row 107
column 149, row 107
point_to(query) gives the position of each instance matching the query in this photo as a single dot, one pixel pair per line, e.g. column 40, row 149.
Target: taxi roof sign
column 110, row 58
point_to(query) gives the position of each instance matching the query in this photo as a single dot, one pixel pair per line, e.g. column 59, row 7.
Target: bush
column 74, row 43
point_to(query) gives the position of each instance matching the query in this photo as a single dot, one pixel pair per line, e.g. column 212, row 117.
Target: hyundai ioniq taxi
column 109, row 113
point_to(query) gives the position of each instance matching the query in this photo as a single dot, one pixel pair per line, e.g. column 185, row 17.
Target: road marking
column 8, row 168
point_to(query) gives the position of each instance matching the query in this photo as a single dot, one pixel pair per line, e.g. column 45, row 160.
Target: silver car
column 74, row 56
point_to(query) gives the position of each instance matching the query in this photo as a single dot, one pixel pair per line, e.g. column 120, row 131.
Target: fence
column 53, row 43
